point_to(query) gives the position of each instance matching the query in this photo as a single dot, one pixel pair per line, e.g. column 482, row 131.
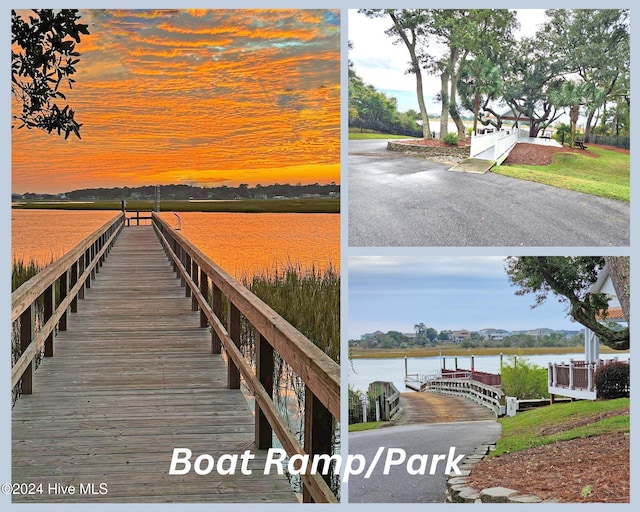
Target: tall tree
column 570, row 279
column 575, row 95
column 480, row 83
column 409, row 27
column 536, row 71
column 467, row 33
column 598, row 41
column 43, row 57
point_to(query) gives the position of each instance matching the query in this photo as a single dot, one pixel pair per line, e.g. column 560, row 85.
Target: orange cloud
column 204, row 96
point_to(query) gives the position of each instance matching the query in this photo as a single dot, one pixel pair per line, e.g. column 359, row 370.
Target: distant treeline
column 242, row 191
column 394, row 339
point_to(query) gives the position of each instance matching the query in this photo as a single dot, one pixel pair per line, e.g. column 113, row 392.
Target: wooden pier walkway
column 132, row 378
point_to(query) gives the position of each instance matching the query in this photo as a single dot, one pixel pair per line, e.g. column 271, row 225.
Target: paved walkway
column 428, row 407
column 133, row 378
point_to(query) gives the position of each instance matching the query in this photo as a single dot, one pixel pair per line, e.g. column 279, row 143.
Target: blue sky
column 395, row 293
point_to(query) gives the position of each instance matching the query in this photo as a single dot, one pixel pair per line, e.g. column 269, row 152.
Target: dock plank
column 132, row 378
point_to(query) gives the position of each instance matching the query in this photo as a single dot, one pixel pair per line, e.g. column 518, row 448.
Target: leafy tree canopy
column 43, row 57
column 570, row 279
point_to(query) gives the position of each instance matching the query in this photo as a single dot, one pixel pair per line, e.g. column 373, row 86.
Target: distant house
column 461, row 335
column 493, row 334
column 575, row 379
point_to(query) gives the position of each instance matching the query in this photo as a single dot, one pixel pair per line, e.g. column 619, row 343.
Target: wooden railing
column 489, row 396
column 207, row 284
column 69, row 275
column 137, row 218
column 390, row 403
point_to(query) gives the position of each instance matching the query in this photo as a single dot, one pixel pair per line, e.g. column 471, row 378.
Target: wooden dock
column 133, row 377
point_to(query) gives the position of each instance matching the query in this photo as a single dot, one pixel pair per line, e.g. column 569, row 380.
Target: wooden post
column 318, row 431
column 216, row 306
column 195, row 279
column 64, row 290
column 187, row 267
column 27, row 329
column 204, row 290
column 73, row 279
column 173, row 262
column 87, row 262
column 233, row 374
column 80, row 272
column 49, row 307
column 92, row 250
column 264, row 373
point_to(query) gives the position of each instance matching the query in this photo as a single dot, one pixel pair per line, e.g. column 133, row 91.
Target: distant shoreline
column 452, row 351
column 310, row 205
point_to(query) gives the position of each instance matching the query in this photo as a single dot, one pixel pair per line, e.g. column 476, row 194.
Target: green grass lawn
column 570, row 420
column 606, row 176
column 370, row 425
column 353, row 135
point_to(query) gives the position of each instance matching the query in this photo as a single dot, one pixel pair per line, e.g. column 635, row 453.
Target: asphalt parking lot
column 401, row 200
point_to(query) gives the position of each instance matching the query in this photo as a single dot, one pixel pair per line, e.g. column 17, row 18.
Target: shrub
column 524, row 380
column 451, row 139
column 562, row 133
column 612, row 380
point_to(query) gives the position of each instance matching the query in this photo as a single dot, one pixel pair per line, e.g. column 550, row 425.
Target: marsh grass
column 309, row 299
column 21, row 272
column 310, row 205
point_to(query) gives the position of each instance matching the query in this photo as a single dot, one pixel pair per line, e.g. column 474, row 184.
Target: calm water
column 46, row 235
column 242, row 244
column 364, row 371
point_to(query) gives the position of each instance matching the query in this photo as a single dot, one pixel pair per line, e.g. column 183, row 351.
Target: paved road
column 399, row 200
column 400, row 487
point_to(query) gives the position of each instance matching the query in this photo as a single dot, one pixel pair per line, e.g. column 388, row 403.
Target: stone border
column 459, row 490
column 429, row 151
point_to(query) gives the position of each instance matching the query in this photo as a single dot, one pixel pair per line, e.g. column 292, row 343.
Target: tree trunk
column 587, row 128
column 444, row 111
column 426, row 130
column 476, row 109
column 455, row 75
column 574, row 112
column 411, row 46
column 620, row 274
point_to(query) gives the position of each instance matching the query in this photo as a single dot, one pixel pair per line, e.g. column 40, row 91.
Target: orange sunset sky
column 207, row 97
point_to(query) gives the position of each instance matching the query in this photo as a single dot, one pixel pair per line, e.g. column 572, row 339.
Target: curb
column 459, row 490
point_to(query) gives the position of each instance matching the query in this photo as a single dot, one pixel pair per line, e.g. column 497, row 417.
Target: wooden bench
column 579, row 144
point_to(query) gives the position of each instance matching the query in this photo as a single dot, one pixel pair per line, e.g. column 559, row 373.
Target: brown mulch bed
column 589, row 470
column 524, row 153
column 537, row 154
